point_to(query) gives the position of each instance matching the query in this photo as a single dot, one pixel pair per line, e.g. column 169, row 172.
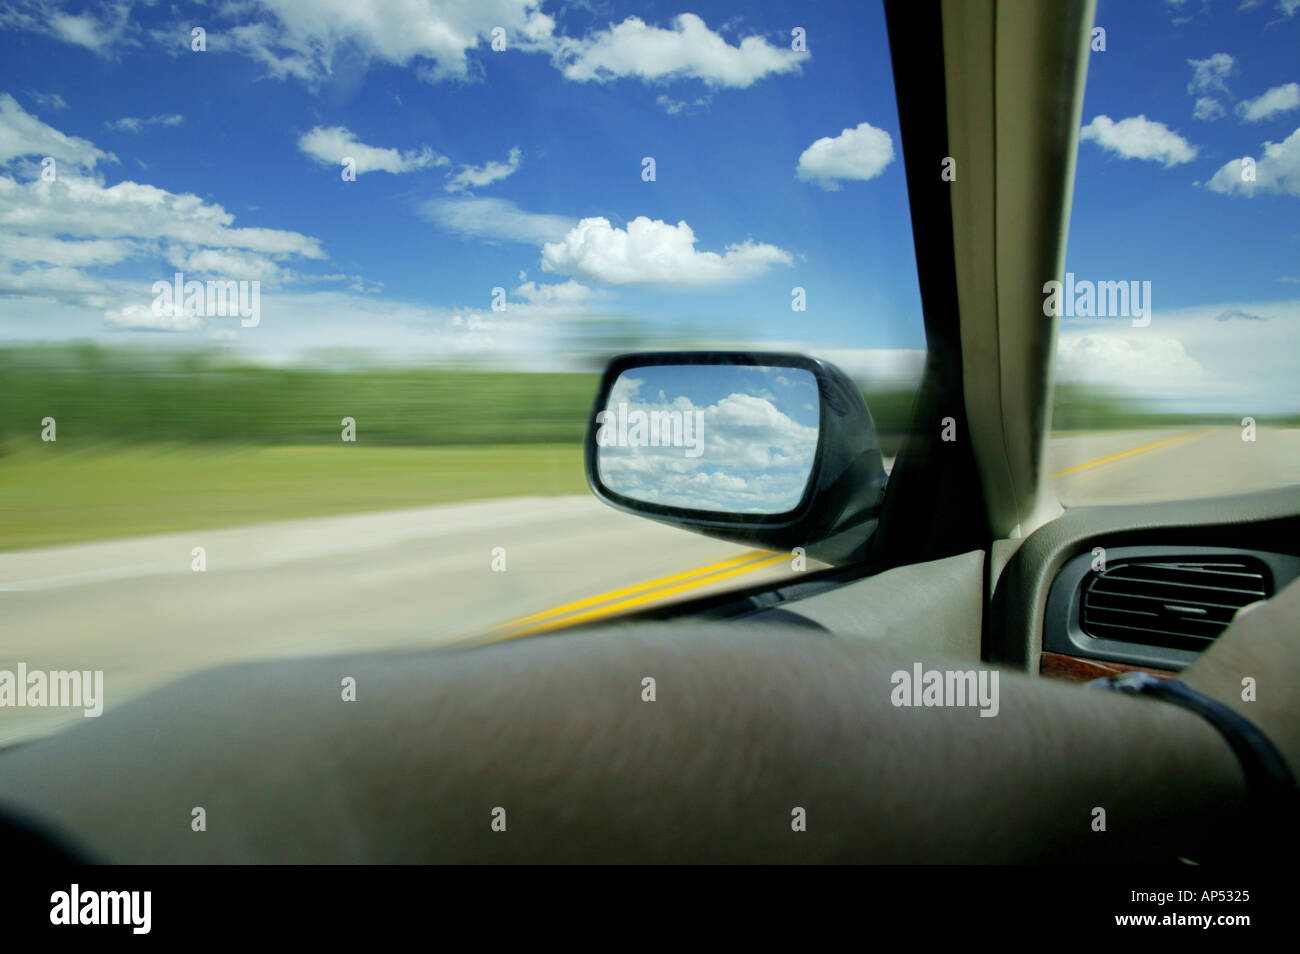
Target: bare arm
column 748, row 725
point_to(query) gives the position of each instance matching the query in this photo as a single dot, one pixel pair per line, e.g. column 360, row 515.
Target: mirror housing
column 841, row 500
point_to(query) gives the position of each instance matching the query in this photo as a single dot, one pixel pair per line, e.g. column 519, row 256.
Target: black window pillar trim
column 934, row 503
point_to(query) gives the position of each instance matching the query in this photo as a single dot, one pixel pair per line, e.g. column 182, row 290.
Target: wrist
column 1268, row 797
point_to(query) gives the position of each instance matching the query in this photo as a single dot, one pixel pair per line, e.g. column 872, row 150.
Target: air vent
column 1183, row 604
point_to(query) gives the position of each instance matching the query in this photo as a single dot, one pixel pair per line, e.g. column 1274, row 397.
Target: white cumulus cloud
column 473, row 177
column 1207, row 108
column 135, row 124
column 22, row 134
column 1226, row 355
column 562, row 293
column 53, row 251
column 48, row 100
column 308, row 39
column 104, row 28
column 859, row 153
column 1279, row 99
column 494, row 219
column 85, row 208
column 652, row 252
column 54, row 232
column 1139, row 138
column 1210, row 74
column 689, row 50
column 221, row 262
column 330, row 145
column 138, row 317
column 1276, row 170
column 1118, row 359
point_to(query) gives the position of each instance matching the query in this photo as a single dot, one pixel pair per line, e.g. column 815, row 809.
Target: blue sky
column 1161, row 199
column 1194, row 243
column 726, row 129
column 521, row 169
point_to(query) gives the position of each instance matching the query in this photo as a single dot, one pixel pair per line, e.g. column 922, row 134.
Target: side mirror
column 771, row 450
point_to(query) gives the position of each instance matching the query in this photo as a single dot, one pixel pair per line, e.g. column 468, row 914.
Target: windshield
column 302, row 312
column 1179, row 349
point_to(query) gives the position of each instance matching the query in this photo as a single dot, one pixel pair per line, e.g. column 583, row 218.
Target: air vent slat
column 1235, row 567
column 1192, row 586
column 1189, row 624
column 1182, row 604
column 1163, row 632
column 1104, row 599
column 1136, row 601
column 1168, row 601
column 1192, row 627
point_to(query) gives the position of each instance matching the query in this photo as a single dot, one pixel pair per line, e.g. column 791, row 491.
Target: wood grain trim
column 1078, row 669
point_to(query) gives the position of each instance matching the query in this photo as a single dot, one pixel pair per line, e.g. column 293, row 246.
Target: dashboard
column 1112, row 589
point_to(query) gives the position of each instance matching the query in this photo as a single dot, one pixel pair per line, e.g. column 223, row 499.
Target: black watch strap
column 1271, row 792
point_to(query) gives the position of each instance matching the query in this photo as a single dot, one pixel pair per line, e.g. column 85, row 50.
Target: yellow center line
column 641, row 600
column 1127, row 453
column 635, row 588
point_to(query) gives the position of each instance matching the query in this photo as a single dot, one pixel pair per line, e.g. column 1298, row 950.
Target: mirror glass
column 732, row 438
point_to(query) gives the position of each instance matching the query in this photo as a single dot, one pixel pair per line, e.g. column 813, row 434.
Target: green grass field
column 96, row 395
column 150, row 442
column 53, row 493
